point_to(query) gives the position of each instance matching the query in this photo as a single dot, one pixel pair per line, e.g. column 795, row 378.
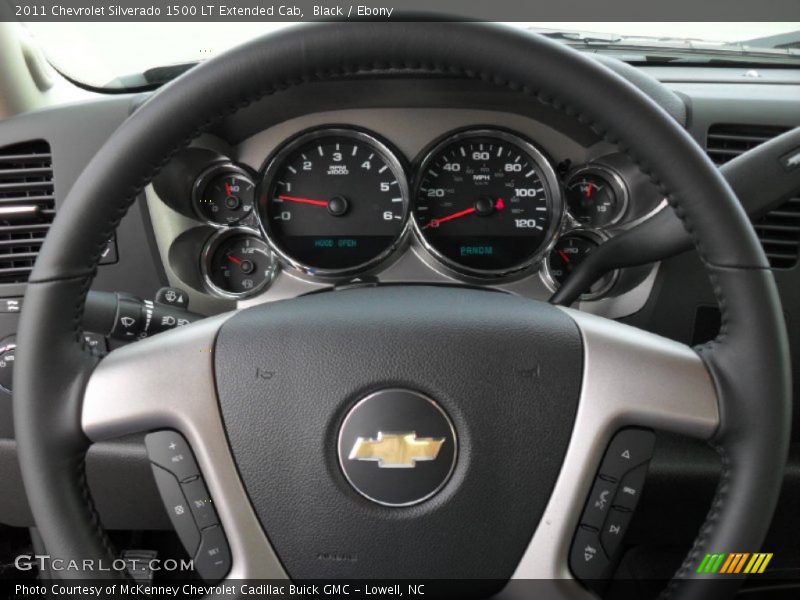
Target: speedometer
column 334, row 202
column 486, row 203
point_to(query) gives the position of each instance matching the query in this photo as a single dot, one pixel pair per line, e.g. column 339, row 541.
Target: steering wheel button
column 178, row 509
column 628, row 449
column 599, row 503
column 614, row 530
column 630, row 488
column 587, row 559
column 200, row 503
column 213, row 558
column 169, row 450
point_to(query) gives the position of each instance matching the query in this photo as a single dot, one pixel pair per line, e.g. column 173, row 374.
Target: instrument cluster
column 482, row 205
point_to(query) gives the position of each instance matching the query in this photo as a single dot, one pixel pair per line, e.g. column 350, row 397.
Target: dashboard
column 460, row 197
column 174, row 237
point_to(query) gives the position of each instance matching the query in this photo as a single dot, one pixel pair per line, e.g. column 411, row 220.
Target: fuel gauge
column 237, row 263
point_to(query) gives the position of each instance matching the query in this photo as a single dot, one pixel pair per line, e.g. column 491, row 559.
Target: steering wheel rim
column 748, row 362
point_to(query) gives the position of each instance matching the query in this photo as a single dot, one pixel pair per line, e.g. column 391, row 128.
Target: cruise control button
column 630, row 488
column 599, row 503
column 587, row 559
column 628, row 449
column 213, row 559
column 178, row 509
column 614, row 530
column 200, row 502
column 169, row 450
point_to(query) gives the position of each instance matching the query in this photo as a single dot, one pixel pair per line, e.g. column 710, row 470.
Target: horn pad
column 505, row 373
column 397, row 447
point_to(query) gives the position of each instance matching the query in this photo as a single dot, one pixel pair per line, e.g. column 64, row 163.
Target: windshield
column 130, row 55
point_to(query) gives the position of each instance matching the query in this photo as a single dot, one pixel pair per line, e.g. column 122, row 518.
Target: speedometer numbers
column 334, row 202
column 486, row 203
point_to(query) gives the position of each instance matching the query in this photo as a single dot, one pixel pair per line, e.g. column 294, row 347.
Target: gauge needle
column 233, row 259
column 228, row 191
column 564, row 256
column 456, row 215
column 303, row 200
column 589, row 190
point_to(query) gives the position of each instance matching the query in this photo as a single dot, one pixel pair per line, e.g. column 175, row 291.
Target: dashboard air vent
column 27, row 206
column 778, row 230
column 726, row 142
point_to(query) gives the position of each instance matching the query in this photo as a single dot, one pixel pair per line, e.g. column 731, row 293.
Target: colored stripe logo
column 734, row 562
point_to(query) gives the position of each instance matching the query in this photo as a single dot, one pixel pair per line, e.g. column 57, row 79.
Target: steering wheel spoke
column 631, row 378
column 527, row 417
column 167, row 383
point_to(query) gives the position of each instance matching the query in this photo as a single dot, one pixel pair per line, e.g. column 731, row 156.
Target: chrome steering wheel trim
column 135, row 389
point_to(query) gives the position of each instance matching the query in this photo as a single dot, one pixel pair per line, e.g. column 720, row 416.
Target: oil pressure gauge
column 224, row 195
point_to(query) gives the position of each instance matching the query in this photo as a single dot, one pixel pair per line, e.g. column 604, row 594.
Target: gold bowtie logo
column 396, row 450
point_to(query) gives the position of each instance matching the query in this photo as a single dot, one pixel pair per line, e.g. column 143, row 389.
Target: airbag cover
column 506, row 370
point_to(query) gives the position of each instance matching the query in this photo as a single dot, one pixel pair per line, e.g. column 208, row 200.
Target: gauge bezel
column 212, row 245
column 614, row 179
column 274, row 163
column 550, row 179
column 205, row 178
column 594, row 235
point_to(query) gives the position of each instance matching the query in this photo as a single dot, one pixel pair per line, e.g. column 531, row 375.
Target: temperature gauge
column 237, row 263
column 570, row 251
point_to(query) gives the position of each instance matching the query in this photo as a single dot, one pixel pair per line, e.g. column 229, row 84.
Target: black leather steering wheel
column 594, row 376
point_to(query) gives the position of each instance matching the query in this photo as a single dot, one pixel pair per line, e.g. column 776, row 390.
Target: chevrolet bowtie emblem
column 396, row 450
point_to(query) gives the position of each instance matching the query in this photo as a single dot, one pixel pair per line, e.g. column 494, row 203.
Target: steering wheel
column 532, row 393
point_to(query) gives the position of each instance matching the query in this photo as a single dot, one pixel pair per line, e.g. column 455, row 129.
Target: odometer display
column 486, row 203
column 334, row 202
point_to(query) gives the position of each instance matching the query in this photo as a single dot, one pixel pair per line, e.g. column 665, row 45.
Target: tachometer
column 334, row 202
column 486, row 203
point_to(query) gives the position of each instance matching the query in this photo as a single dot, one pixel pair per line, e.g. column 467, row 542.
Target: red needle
column 228, row 191
column 234, row 260
column 564, row 256
column 456, row 215
column 589, row 190
column 303, row 200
